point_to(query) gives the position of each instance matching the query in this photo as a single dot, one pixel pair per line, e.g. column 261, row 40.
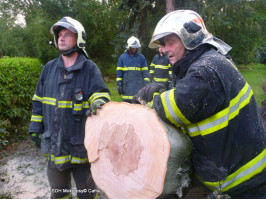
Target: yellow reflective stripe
column 60, row 160
column 152, row 65
column 98, row 95
column 127, row 97
column 50, row 101
column 151, row 71
column 86, row 104
column 232, row 64
column 131, row 68
column 172, row 112
column 68, row 158
column 160, row 79
column 37, row 98
column 78, row 107
column 120, row 68
column 162, row 66
column 246, row 172
column 150, row 104
column 64, row 104
column 170, row 72
column 76, row 160
column 144, row 68
column 119, row 79
column 36, row 118
column 146, row 79
column 221, row 119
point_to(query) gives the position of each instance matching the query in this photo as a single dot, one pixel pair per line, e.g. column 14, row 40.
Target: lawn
column 255, row 75
column 111, row 84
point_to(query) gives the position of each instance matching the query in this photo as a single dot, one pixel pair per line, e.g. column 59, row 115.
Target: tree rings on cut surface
column 128, row 148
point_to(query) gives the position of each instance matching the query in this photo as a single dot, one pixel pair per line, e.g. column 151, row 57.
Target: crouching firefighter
column 70, row 87
column 213, row 104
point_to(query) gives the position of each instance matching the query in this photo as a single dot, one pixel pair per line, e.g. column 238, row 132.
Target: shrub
column 18, row 79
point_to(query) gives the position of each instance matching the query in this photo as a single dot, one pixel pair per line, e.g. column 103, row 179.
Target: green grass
column 255, row 75
column 111, row 84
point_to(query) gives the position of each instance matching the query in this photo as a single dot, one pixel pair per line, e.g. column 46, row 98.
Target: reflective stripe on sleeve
column 246, row 172
column 37, row 98
column 36, row 118
column 221, row 119
column 172, row 112
column 98, row 95
column 50, row 101
column 160, row 79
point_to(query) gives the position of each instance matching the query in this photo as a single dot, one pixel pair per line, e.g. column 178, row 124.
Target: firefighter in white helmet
column 70, row 88
column 213, row 104
column 132, row 71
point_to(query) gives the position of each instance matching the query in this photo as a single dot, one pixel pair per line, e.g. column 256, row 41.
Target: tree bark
column 129, row 148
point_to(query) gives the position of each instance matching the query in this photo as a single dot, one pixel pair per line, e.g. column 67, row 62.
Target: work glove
column 147, row 92
column 37, row 139
column 97, row 104
column 120, row 88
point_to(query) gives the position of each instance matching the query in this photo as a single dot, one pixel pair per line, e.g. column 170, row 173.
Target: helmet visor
column 156, row 40
column 62, row 24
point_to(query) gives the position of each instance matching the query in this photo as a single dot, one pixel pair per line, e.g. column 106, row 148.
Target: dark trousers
column 60, row 182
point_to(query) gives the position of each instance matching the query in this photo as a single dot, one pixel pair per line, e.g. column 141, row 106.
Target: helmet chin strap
column 69, row 52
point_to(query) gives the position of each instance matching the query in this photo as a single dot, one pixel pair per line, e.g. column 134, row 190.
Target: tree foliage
column 108, row 25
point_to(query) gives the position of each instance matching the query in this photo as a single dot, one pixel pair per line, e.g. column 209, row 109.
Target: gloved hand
column 97, row 104
column 120, row 88
column 36, row 138
column 147, row 92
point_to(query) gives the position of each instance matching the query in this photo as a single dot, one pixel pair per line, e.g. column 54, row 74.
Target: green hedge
column 18, row 79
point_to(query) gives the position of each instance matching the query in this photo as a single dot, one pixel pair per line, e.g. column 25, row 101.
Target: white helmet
column 189, row 26
column 133, row 42
column 72, row 25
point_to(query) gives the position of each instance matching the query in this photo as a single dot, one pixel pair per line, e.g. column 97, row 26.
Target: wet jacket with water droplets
column 57, row 113
column 215, row 106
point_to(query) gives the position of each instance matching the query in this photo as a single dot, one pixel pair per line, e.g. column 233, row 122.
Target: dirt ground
column 23, row 175
column 23, row 172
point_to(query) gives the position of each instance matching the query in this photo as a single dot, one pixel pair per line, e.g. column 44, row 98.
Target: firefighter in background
column 213, row 104
column 70, row 88
column 132, row 71
column 160, row 69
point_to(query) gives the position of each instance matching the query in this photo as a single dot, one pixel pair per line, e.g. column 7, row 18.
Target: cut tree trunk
column 133, row 154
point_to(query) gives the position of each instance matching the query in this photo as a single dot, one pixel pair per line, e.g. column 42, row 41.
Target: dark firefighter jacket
column 132, row 72
column 160, row 70
column 216, row 107
column 58, row 115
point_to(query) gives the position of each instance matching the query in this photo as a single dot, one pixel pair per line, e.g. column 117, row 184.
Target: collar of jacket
column 181, row 67
column 77, row 65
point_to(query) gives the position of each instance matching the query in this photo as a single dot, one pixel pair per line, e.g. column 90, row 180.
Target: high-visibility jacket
column 132, row 72
column 58, row 114
column 215, row 106
column 160, row 70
